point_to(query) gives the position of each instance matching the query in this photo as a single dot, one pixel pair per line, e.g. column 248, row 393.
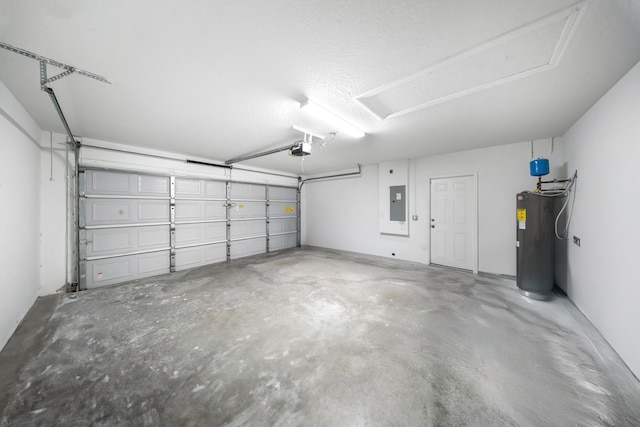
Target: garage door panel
column 248, row 210
column 200, row 210
column 107, row 271
column 283, row 241
column 215, row 189
column 215, row 210
column 106, row 242
column 244, row 248
column 188, row 187
column 248, row 191
column 283, row 193
column 200, row 188
column 215, row 253
column 125, row 184
column 116, row 270
column 103, row 182
column 283, row 209
column 253, row 228
column 153, row 185
column 150, row 264
column 186, row 211
column 108, row 211
column 151, row 211
column 113, row 241
column 153, row 237
column 283, row 225
column 125, row 211
column 200, row 255
column 215, row 231
column 189, row 234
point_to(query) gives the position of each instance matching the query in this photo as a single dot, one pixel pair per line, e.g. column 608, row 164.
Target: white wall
column 602, row 277
column 343, row 213
column 20, row 213
column 502, row 172
column 53, row 205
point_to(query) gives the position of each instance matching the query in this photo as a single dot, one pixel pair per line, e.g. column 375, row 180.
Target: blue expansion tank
column 539, row 167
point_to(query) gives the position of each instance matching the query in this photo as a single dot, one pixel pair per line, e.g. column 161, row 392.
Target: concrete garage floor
column 313, row 337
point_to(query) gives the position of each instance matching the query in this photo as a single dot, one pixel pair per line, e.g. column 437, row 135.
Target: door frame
column 474, row 222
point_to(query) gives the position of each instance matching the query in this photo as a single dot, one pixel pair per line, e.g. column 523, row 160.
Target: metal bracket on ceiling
column 43, row 65
column 44, row 80
column 43, row 59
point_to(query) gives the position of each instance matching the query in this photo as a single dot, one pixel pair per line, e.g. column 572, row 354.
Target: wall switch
column 576, row 240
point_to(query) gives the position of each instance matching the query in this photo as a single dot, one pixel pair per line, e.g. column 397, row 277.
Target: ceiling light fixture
column 308, row 132
column 323, row 114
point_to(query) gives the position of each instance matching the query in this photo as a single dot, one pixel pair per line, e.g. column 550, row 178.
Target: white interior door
column 453, row 222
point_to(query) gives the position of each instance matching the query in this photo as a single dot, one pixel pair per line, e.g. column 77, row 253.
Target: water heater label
column 522, row 214
column 522, row 225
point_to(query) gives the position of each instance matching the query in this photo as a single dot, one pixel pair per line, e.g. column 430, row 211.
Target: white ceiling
column 219, row 79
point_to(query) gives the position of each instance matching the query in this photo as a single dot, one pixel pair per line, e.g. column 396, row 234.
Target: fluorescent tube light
column 308, row 132
column 323, row 114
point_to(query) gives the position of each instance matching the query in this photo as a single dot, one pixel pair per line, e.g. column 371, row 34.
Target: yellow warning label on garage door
column 522, row 214
column 289, row 209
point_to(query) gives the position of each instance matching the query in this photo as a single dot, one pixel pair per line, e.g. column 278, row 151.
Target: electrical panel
column 397, row 203
column 393, row 186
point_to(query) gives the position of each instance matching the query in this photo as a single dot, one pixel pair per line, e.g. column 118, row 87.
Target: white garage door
column 200, row 222
column 283, row 217
column 124, row 227
column 248, row 219
column 136, row 225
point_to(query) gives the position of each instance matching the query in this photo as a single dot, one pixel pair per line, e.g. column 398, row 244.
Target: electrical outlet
column 576, row 240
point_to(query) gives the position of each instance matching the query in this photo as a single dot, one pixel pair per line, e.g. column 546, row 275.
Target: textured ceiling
column 219, row 79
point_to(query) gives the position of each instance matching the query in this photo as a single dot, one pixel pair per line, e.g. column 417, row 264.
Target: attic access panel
column 533, row 48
